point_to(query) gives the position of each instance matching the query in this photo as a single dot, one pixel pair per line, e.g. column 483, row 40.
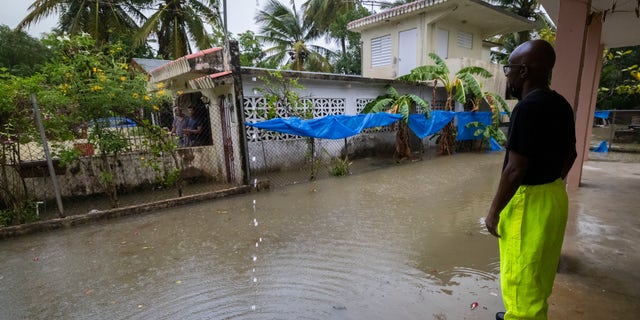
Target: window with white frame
column 381, row 51
column 464, row 40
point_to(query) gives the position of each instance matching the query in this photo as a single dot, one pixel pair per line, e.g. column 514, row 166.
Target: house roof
column 147, row 65
column 198, row 63
column 210, row 81
column 621, row 25
column 490, row 19
column 203, row 69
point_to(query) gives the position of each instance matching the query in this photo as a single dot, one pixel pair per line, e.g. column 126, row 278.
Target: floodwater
column 405, row 242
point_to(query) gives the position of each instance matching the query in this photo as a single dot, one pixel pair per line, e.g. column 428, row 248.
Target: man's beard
column 515, row 92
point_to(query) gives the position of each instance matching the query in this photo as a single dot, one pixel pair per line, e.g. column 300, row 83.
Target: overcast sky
column 240, row 15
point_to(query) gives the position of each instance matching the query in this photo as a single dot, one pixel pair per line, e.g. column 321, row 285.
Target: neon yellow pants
column 531, row 230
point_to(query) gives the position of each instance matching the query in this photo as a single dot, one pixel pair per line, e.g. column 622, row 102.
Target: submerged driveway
column 404, row 242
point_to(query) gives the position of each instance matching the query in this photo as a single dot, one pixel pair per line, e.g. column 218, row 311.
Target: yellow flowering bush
column 97, row 82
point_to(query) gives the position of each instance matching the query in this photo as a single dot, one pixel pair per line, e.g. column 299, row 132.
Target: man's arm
column 568, row 162
column 510, row 180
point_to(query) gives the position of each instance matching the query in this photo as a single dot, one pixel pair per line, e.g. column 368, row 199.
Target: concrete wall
column 82, row 178
column 348, row 88
column 333, row 94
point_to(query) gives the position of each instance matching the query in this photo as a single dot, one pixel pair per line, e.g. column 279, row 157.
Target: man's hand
column 510, row 181
column 491, row 222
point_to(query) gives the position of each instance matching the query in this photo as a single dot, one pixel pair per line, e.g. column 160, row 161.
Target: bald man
column 529, row 211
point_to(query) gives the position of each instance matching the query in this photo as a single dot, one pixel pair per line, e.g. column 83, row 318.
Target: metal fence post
column 47, row 154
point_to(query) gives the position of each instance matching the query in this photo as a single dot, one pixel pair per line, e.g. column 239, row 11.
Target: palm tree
column 322, row 13
column 331, row 17
column 394, row 103
column 524, row 8
column 99, row 18
column 177, row 22
column 291, row 39
column 456, row 89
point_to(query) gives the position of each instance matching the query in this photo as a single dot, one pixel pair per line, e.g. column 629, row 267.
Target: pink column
column 577, row 52
column 587, row 97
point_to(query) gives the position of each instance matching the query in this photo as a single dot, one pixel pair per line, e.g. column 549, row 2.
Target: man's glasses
column 507, row 68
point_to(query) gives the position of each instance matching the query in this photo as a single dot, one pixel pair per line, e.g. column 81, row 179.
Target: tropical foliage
column 331, row 18
column 457, row 89
column 173, row 28
column 176, row 23
column 282, row 98
column 497, row 105
column 21, row 54
column 173, row 24
column 395, row 103
column 82, row 82
column 99, row 18
column 529, row 9
column 620, row 79
column 251, row 53
column 290, row 39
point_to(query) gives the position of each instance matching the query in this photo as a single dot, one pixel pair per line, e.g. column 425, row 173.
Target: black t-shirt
column 543, row 130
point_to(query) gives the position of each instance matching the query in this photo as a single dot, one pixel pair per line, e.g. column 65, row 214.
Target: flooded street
column 404, row 242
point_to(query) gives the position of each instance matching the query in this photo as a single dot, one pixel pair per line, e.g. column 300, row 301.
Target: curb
column 96, row 215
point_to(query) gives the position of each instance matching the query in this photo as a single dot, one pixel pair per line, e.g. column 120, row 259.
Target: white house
column 399, row 39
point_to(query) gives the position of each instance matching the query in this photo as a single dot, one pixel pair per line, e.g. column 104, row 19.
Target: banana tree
column 394, row 103
column 496, row 105
column 456, row 88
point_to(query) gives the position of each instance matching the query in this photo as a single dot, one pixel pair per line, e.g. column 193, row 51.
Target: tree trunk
column 447, row 137
column 403, row 151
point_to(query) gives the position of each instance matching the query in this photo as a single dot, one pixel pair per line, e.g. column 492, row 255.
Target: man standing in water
column 529, row 211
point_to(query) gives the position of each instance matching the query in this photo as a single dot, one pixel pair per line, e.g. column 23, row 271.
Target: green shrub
column 339, row 167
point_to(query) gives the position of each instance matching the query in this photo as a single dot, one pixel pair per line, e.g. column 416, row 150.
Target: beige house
column 399, row 39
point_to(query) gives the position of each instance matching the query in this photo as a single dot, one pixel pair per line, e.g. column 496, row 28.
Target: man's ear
column 524, row 71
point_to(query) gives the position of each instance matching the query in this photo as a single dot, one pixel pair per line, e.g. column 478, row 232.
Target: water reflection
column 398, row 243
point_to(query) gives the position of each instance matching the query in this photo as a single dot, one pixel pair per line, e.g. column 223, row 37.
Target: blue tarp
column 423, row 126
column 328, row 127
column 342, row 126
column 602, row 147
column 494, row 145
column 602, row 114
column 465, row 118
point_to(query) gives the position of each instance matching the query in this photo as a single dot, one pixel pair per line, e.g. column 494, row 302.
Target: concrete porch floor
column 598, row 276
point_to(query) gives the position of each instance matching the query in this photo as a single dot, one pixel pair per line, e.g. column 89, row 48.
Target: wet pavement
column 599, row 276
column 404, row 242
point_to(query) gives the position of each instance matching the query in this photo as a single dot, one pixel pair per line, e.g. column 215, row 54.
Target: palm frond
column 423, row 104
column 380, row 104
column 471, row 85
column 459, row 92
column 477, row 71
column 439, row 62
column 424, row 73
column 404, row 107
column 392, row 92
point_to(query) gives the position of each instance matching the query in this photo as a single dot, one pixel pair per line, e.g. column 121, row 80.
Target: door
column 407, row 51
column 442, row 43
